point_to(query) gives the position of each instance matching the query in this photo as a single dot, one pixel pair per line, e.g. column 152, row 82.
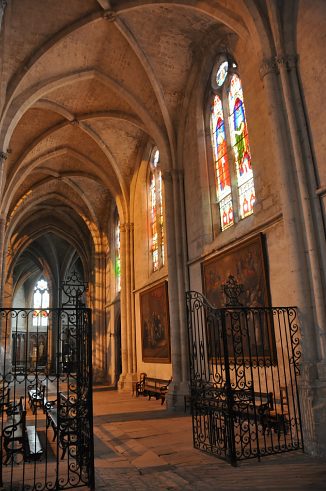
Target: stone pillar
column 99, row 328
column 2, row 257
column 299, row 218
column 290, row 204
column 177, row 306
column 124, row 347
column 129, row 376
column 313, row 379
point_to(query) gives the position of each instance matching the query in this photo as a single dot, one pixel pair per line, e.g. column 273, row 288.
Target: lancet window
column 41, row 301
column 156, row 212
column 117, row 254
column 234, row 181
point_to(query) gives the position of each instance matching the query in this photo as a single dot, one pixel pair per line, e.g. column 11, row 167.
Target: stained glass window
column 156, row 212
column 240, row 146
column 117, row 255
column 41, row 301
column 229, row 130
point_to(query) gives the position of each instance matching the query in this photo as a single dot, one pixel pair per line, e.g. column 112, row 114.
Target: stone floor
column 139, row 445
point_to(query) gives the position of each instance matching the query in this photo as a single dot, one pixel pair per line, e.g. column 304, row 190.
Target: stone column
column 2, row 257
column 307, row 187
column 297, row 212
column 313, row 379
column 99, row 317
column 290, row 205
column 176, row 267
column 129, row 375
column 124, row 347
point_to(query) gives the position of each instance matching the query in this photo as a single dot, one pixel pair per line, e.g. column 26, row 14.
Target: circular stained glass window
column 222, row 73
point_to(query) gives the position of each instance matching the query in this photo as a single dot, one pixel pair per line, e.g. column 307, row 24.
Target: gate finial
column 232, row 291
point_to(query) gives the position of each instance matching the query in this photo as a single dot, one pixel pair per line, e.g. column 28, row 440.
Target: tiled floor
column 140, row 446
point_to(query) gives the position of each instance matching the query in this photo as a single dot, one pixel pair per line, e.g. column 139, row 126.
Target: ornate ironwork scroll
column 244, row 364
column 46, row 433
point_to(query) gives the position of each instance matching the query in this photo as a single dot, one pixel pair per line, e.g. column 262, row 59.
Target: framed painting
column 250, row 332
column 155, row 324
column 247, row 264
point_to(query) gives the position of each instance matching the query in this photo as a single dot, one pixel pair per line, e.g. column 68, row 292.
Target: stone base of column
column 175, row 397
column 127, row 383
column 312, row 388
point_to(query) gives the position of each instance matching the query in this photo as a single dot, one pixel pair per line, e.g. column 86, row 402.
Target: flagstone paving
column 140, row 445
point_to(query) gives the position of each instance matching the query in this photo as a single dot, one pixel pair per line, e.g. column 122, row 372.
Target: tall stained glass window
column 117, row 255
column 40, row 304
column 157, row 239
column 232, row 158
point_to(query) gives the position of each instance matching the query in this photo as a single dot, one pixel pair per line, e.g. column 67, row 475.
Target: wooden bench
column 18, row 438
column 152, row 387
column 36, row 395
column 242, row 405
column 63, row 420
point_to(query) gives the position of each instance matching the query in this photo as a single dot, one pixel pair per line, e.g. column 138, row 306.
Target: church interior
column 156, row 148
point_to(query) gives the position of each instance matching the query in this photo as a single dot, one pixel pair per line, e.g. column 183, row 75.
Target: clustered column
column 300, row 213
column 176, row 254
column 128, row 375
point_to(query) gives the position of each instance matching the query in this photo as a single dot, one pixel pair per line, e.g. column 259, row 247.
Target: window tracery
column 234, row 179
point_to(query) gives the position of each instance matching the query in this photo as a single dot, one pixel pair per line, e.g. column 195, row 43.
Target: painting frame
column 155, row 324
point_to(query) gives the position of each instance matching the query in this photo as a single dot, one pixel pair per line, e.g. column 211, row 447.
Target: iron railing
column 244, row 364
column 46, row 425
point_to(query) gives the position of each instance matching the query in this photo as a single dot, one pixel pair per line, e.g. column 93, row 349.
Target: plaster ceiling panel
column 97, row 196
column 65, row 164
column 98, row 45
column 32, row 18
column 115, row 132
column 33, row 123
column 169, row 37
column 88, row 96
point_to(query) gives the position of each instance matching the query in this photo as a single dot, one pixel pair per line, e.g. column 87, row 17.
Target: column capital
column 126, row 227
column 172, row 174
column 274, row 64
column 287, row 61
column 268, row 66
column 167, row 175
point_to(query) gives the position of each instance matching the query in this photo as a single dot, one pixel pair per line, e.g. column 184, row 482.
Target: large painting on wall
column 255, row 339
column 246, row 263
column 155, row 325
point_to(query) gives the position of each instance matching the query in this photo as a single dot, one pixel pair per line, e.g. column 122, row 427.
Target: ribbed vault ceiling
column 87, row 90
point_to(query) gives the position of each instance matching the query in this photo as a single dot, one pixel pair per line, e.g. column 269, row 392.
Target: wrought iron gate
column 243, row 370
column 46, row 432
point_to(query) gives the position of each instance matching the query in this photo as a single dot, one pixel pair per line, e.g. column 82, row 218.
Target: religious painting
column 245, row 266
column 246, row 263
column 155, row 324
